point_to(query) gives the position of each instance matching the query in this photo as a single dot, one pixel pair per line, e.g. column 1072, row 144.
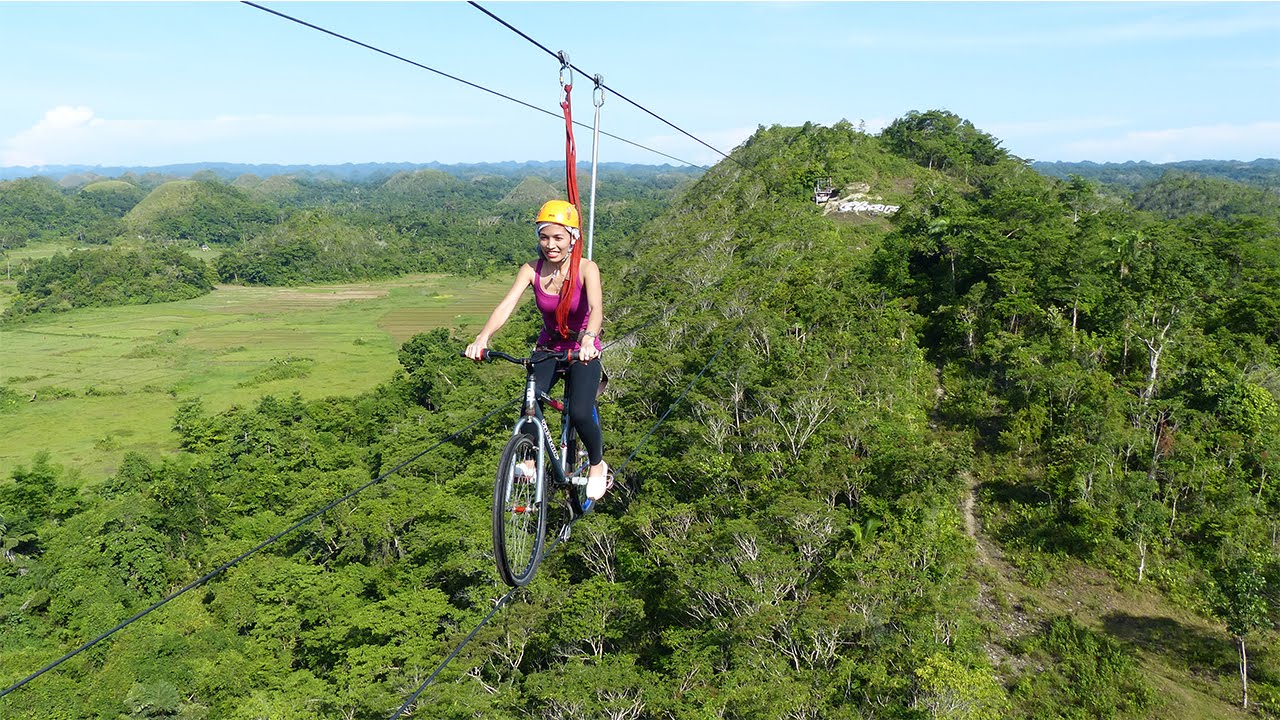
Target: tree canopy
column 797, row 540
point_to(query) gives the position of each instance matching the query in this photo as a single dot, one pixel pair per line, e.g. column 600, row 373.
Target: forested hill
column 1008, row 452
column 1221, row 189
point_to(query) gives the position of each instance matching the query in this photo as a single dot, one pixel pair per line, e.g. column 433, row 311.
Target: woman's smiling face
column 555, row 241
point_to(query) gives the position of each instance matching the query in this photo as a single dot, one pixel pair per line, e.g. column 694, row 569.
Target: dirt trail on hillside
column 997, row 600
column 1143, row 621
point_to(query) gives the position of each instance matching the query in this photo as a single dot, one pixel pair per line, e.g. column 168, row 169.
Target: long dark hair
column 570, row 285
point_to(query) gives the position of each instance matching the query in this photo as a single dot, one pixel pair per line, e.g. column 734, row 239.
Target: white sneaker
column 524, row 471
column 597, row 485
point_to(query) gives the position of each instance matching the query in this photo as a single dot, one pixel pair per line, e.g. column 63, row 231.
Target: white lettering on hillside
column 859, row 201
column 862, row 206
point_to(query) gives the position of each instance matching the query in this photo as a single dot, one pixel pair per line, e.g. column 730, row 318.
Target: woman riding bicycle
column 567, row 290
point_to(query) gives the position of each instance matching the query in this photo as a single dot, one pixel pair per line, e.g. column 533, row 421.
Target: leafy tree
column 942, row 140
column 113, row 197
column 1179, row 194
column 949, row 690
column 316, row 246
column 787, row 544
column 35, row 208
column 1242, row 603
column 1092, row 676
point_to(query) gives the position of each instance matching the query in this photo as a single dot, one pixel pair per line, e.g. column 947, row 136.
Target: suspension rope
column 468, row 83
column 326, row 508
column 502, row 601
column 246, row 554
column 597, row 99
column 682, row 395
column 556, row 540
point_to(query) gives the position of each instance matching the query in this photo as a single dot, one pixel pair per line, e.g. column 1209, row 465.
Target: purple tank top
column 579, row 315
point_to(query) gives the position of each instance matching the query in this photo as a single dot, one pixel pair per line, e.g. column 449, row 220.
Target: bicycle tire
column 519, row 517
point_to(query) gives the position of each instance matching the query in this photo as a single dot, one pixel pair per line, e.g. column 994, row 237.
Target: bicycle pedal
column 564, row 533
column 579, row 480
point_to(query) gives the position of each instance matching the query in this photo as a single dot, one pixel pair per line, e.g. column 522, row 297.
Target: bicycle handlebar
column 537, row 357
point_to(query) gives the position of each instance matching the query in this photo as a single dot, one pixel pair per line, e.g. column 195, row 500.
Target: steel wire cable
column 579, row 70
column 455, row 78
column 248, row 553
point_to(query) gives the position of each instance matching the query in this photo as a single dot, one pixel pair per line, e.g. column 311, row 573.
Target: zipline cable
column 468, row 83
column 556, row 540
column 682, row 395
column 246, row 554
column 640, row 107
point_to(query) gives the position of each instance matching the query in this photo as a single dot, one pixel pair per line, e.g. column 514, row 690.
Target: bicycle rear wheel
column 519, row 516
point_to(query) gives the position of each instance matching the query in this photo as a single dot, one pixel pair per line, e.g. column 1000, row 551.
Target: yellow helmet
column 559, row 212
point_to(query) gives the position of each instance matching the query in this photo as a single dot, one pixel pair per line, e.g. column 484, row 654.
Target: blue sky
column 153, row 83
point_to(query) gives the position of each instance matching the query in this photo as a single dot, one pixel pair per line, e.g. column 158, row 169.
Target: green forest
column 1012, row 451
column 285, row 230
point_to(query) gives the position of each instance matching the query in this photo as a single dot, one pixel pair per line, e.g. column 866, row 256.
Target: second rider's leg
column 584, row 378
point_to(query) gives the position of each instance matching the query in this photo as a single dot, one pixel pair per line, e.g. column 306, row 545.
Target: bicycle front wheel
column 519, row 514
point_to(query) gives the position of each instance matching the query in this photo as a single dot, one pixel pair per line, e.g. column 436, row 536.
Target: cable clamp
column 597, row 95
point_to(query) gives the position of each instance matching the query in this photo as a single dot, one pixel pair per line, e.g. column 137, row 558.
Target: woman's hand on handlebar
column 588, row 352
column 475, row 351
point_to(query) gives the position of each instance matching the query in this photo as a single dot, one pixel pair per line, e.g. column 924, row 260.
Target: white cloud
column 75, row 135
column 63, row 124
column 1204, row 142
column 1188, row 28
column 65, row 117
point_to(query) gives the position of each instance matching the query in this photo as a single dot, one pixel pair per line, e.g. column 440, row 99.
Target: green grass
column 40, row 250
column 98, row 382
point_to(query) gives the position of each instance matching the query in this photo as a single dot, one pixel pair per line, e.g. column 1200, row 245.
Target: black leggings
column 582, row 380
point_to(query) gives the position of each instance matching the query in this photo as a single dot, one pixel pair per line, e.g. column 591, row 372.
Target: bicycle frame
column 545, row 446
column 531, row 413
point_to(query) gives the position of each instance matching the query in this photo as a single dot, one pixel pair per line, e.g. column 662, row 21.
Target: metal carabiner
column 597, row 95
column 564, row 64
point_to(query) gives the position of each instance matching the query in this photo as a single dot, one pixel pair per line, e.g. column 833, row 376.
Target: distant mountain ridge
column 345, row 171
column 1263, row 172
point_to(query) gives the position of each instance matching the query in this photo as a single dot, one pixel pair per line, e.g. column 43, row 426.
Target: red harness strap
column 570, row 149
column 570, row 285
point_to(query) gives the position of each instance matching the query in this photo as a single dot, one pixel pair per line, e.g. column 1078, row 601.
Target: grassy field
column 96, row 383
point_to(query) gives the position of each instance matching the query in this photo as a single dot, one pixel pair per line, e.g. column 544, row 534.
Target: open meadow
column 96, row 383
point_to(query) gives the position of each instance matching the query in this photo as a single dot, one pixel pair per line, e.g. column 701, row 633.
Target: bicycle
column 532, row 466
